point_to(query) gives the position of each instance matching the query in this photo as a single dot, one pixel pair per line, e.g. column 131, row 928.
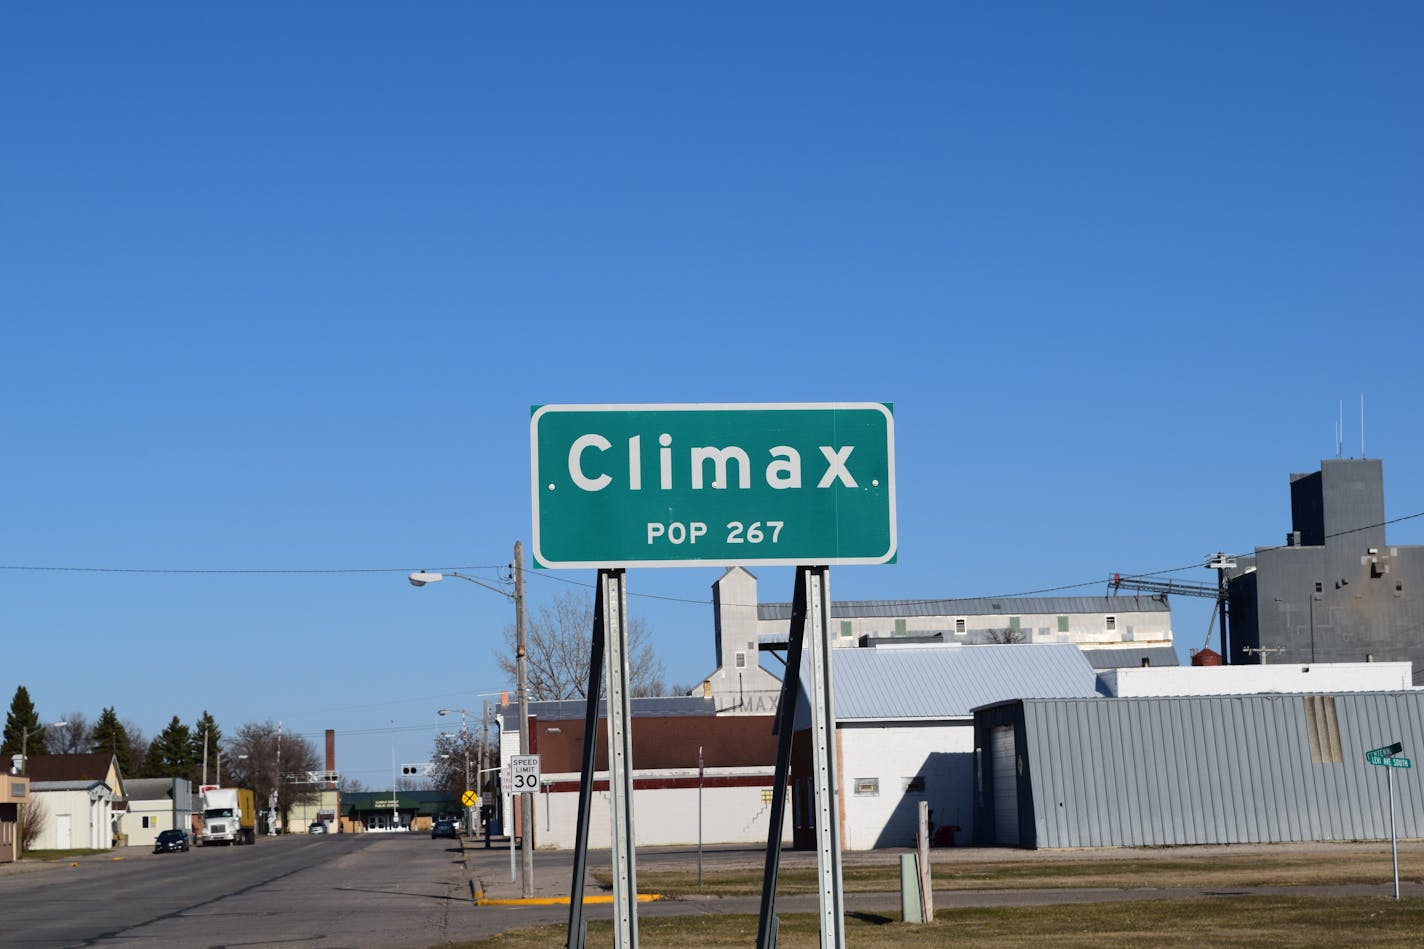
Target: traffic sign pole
column 1387, row 757
column 1393, row 837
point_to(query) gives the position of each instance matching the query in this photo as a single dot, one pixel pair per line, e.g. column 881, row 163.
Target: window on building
column 741, row 660
column 867, row 787
column 1063, row 624
column 959, row 628
column 900, row 627
column 148, row 822
column 1319, row 587
column 915, row 785
column 1014, row 623
column 1112, row 623
column 846, row 629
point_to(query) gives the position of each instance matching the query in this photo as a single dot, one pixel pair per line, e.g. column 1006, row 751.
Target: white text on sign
column 678, row 532
column 782, row 472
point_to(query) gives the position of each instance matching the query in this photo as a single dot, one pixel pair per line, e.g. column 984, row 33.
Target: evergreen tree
column 111, row 737
column 170, row 754
column 203, row 750
column 23, row 720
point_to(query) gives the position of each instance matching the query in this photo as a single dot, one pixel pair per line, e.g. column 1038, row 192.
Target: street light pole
column 526, row 799
column 420, row 579
column 465, row 742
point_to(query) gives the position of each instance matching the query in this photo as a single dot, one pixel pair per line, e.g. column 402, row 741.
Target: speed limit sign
column 524, row 773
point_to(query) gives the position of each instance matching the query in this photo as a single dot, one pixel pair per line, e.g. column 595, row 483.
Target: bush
column 35, row 816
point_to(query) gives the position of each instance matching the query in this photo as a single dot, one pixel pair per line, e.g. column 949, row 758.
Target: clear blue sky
column 281, row 281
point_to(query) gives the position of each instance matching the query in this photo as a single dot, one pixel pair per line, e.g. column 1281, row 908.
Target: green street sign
column 1387, row 750
column 1399, row 762
column 1387, row 761
column 682, row 485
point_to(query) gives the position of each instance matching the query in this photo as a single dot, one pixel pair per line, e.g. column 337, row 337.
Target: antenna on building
column 1340, row 432
column 1362, row 425
column 1262, row 651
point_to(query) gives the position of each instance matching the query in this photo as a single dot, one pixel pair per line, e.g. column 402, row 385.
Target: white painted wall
column 942, row 752
column 668, row 816
column 90, row 820
column 1251, row 680
column 160, row 818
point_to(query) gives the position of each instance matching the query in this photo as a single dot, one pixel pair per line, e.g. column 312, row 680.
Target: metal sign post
column 577, row 936
column 620, row 761
column 1387, row 757
column 823, row 758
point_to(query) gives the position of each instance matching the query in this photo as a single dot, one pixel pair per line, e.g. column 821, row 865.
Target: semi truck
column 229, row 816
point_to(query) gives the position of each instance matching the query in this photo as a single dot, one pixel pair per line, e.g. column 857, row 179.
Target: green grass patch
column 58, row 854
column 1235, row 922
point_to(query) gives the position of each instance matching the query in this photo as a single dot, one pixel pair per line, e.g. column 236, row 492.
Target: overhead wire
column 699, row 601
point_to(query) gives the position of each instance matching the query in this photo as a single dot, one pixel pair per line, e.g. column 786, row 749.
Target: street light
column 25, row 738
column 465, row 741
column 526, row 809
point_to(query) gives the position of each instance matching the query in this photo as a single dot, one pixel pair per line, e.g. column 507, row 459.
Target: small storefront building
column 396, row 811
column 14, row 795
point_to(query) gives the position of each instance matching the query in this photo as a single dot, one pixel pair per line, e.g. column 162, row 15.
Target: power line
column 633, row 593
column 239, row 572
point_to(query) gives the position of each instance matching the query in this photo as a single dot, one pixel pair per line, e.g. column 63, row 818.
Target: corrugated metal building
column 1138, row 772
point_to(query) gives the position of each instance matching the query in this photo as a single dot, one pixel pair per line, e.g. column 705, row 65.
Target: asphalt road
column 345, row 890
column 406, row 891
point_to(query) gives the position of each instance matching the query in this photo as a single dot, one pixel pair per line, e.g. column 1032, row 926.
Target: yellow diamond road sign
column 470, row 799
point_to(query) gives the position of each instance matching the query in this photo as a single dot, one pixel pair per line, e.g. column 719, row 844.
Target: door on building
column 63, row 836
column 1002, row 759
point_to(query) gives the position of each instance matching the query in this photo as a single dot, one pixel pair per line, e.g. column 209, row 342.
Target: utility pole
column 526, row 800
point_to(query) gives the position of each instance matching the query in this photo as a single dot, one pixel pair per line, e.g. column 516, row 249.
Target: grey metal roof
column 977, row 606
column 152, row 789
column 937, row 682
column 79, row 784
column 1130, row 655
column 667, row 706
column 1137, row 772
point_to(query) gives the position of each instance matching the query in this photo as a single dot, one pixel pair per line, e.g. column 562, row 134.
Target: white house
column 156, row 805
column 905, row 732
column 82, row 797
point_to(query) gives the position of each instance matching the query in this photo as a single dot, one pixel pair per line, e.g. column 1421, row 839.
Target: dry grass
column 1234, row 922
column 1212, row 870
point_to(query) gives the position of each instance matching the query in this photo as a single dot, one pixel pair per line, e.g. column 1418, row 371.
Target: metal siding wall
column 1210, row 770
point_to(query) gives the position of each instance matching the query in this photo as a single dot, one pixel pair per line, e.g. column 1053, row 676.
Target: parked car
column 318, row 827
column 170, row 840
column 444, row 828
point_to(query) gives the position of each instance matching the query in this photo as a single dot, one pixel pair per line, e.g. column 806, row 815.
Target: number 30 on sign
column 524, row 773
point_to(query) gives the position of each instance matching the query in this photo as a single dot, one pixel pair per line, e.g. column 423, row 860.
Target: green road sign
column 1387, row 761
column 1399, row 762
column 680, row 485
column 1387, row 750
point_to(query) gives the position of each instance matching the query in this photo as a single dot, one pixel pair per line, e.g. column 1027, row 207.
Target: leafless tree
column 559, row 638
column 260, row 758
column 74, row 738
column 449, row 757
column 138, row 745
column 1007, row 635
column 352, row 785
column 36, row 816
